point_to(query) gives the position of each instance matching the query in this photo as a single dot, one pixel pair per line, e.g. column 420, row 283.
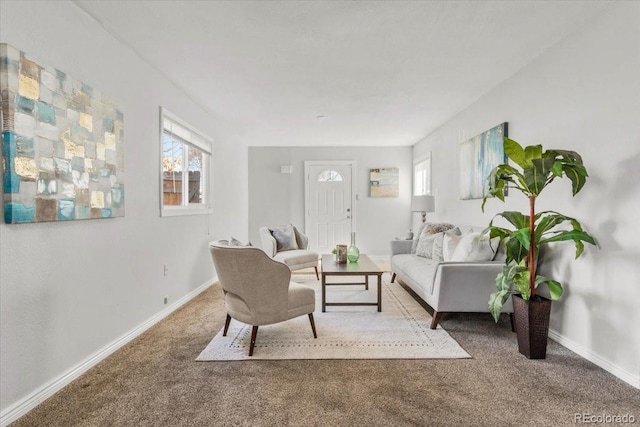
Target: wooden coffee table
column 364, row 267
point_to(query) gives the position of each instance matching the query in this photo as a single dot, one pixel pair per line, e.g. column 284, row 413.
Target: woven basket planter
column 532, row 325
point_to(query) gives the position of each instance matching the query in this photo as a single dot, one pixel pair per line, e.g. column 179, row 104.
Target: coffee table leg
column 324, row 292
column 379, row 292
column 366, row 282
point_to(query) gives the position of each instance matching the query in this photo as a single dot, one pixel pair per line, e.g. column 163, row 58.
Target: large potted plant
column 532, row 170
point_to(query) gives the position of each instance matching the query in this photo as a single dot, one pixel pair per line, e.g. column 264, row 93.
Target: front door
column 329, row 204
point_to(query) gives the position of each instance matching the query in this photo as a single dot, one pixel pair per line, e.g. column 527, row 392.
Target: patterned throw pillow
column 437, row 227
column 285, row 237
column 416, row 238
column 427, row 244
column 426, row 229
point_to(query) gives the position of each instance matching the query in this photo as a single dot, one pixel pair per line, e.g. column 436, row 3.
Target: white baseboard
column 584, row 352
column 20, row 408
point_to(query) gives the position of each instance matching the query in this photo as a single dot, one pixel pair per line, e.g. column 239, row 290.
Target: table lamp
column 423, row 203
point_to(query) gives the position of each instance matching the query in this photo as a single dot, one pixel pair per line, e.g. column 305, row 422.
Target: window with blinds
column 422, row 175
column 185, row 166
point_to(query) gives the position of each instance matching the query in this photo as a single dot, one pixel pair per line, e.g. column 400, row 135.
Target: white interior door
column 329, row 204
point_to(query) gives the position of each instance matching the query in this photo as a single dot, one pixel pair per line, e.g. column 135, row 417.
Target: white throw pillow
column 450, row 241
column 475, row 247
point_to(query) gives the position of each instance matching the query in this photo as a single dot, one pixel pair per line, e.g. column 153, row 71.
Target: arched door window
column 329, row 176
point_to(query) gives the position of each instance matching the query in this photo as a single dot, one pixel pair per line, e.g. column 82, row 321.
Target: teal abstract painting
column 62, row 145
column 478, row 157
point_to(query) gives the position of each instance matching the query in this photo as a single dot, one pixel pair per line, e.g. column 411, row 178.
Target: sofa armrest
column 466, row 286
column 401, row 247
column 269, row 244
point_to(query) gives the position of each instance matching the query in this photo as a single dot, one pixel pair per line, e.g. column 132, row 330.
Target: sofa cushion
column 421, row 271
column 475, row 247
column 296, row 257
column 285, row 237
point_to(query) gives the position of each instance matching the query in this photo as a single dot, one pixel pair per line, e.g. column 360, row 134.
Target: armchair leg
column 313, row 325
column 226, row 325
column 436, row 319
column 393, row 277
column 317, row 276
column 254, row 332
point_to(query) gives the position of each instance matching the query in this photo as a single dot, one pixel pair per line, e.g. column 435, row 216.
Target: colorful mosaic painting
column 384, row 182
column 62, row 145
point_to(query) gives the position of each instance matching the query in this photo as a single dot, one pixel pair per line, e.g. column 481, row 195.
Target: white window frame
column 422, row 172
column 203, row 143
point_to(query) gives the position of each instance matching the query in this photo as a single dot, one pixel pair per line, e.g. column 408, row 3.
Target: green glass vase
column 353, row 253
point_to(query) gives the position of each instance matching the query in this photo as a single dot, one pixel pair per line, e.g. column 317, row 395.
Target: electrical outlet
column 166, row 270
column 166, row 300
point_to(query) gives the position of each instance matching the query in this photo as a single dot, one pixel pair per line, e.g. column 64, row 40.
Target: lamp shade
column 423, row 203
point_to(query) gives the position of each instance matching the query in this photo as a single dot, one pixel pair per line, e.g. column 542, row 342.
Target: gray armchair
column 258, row 290
column 295, row 259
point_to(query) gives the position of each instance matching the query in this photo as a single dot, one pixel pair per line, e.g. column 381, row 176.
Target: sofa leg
column 436, row 319
column 393, row 277
column 513, row 322
column 254, row 333
column 317, row 276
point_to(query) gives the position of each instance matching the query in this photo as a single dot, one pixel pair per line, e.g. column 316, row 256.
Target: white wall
column 276, row 198
column 69, row 289
column 582, row 95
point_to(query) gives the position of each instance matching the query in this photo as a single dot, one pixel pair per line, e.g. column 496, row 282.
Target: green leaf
column 560, row 236
column 538, row 176
column 566, row 154
column 556, row 169
column 578, row 176
column 533, row 152
column 496, row 301
column 523, row 235
column 521, row 281
column 516, row 251
column 555, row 288
column 515, row 218
column 515, row 152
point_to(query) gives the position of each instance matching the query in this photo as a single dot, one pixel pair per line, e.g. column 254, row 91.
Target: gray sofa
column 447, row 286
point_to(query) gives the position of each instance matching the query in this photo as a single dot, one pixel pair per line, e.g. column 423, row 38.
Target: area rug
column 400, row 331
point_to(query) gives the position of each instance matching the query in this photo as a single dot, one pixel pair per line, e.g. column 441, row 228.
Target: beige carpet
column 400, row 331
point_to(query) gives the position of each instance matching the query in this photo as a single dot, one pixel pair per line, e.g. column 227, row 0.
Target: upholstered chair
column 258, row 290
column 289, row 248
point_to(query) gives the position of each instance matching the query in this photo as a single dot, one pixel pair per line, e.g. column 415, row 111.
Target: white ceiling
column 368, row 73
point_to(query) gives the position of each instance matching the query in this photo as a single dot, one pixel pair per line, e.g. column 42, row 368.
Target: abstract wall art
column 478, row 156
column 62, row 145
column 384, row 182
